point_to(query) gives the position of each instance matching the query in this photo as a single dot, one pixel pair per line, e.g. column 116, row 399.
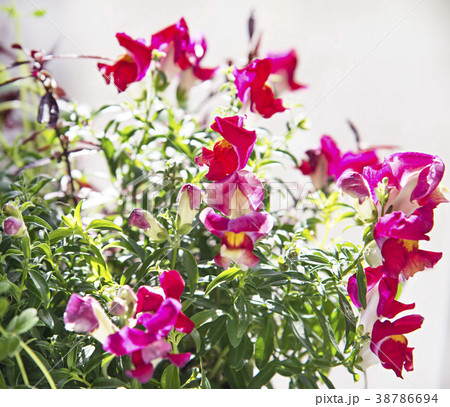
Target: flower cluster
column 180, row 54
column 150, row 315
column 398, row 196
column 235, row 192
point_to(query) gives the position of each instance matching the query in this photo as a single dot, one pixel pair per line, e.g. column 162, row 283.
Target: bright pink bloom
column 230, row 153
column 236, row 195
column 182, row 53
column 130, row 67
column 390, row 344
column 327, row 162
column 398, row 235
column 238, row 235
column 252, row 87
column 412, row 180
column 284, row 65
column 386, row 289
column 149, row 300
column 85, row 314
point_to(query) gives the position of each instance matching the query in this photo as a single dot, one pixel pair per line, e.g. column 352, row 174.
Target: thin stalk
column 38, row 362
column 22, row 370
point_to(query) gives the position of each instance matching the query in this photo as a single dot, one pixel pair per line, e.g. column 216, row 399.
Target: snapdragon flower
column 238, row 194
column 182, row 53
column 150, row 315
column 328, row 163
column 130, row 67
column 252, row 88
column 283, row 69
column 232, row 152
column 238, row 236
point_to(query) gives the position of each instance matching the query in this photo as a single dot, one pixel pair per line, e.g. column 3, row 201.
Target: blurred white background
column 383, row 64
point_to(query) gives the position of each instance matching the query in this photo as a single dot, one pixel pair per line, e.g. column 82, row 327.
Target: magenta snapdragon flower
column 130, row 67
column 252, row 88
column 238, row 236
column 328, row 163
column 230, row 153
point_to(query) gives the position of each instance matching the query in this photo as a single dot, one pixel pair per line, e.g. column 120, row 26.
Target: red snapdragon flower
column 398, row 236
column 231, row 153
column 130, row 67
column 283, row 69
column 327, row 162
column 390, row 344
column 252, row 87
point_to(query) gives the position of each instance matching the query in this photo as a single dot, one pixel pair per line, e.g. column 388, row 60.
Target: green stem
column 22, row 370
column 220, row 359
column 38, row 362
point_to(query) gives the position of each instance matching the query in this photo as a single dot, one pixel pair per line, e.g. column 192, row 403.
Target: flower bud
column 189, row 200
column 152, row 228
column 10, row 209
column 13, row 227
column 124, row 303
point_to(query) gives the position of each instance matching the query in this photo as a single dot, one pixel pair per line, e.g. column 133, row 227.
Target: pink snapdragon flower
column 328, row 163
column 398, row 236
column 130, row 67
column 152, row 314
column 238, row 194
column 283, row 69
column 238, row 236
column 85, row 314
column 412, row 179
column 232, row 152
column 182, row 53
column 252, row 87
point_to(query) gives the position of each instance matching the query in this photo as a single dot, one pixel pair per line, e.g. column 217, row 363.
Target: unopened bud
column 189, row 200
column 13, row 227
column 9, row 209
column 124, row 303
column 152, row 228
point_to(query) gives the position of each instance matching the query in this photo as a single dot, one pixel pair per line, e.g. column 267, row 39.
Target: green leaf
column 59, row 234
column 77, row 214
column 170, row 378
column 4, row 286
column 226, row 275
column 264, row 345
column 191, row 269
column 37, row 220
column 350, row 320
column 326, row 326
column 3, row 306
column 8, row 346
column 264, row 376
column 362, row 285
column 233, row 330
column 41, row 285
column 24, row 322
column 205, row 316
column 103, row 224
column 326, row 380
column 197, row 340
column 238, row 356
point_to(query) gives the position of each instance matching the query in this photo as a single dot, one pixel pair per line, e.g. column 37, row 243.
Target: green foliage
column 288, row 316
